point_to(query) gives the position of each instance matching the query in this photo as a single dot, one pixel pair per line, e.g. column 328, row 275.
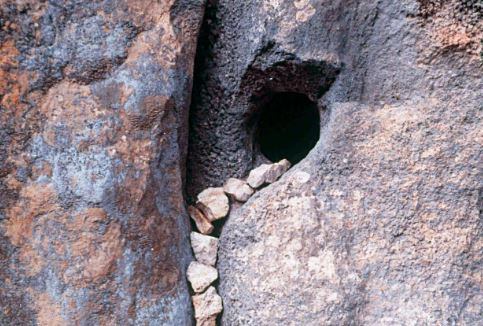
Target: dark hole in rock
column 288, row 127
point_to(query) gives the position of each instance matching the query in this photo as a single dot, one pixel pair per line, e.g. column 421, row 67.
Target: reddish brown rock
column 92, row 140
column 202, row 223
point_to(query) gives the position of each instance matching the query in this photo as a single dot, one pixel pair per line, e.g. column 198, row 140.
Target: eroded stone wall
column 380, row 223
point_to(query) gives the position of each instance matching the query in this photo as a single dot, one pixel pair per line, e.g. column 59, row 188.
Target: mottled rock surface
column 205, row 248
column 380, row 224
column 94, row 99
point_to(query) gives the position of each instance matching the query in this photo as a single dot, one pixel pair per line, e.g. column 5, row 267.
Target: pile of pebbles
column 213, row 204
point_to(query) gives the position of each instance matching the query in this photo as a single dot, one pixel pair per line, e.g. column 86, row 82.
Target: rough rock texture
column 277, row 170
column 201, row 222
column 205, row 248
column 258, row 176
column 207, row 305
column 214, row 203
column 94, row 99
column 380, row 224
column 201, row 276
column 208, row 321
column 238, row 189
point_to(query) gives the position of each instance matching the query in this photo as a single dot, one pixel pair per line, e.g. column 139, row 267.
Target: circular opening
column 289, row 127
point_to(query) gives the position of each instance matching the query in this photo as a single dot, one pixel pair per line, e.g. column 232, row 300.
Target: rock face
column 94, row 100
column 380, row 224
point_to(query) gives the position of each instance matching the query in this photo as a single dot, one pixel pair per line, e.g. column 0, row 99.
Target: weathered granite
column 381, row 223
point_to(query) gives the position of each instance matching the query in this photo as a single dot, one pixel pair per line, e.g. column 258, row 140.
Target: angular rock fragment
column 267, row 173
column 285, row 164
column 257, row 176
column 207, row 304
column 214, row 203
column 276, row 170
column 238, row 189
column 202, row 223
column 208, row 321
column 201, row 276
column 205, row 248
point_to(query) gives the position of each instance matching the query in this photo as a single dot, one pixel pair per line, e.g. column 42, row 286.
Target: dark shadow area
column 288, row 127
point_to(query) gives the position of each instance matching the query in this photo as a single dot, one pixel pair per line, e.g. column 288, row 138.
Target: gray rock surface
column 380, row 224
column 94, row 102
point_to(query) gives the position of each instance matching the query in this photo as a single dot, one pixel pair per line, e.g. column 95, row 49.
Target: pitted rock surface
column 94, row 99
column 380, row 224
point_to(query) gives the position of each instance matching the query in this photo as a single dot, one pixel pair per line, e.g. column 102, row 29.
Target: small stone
column 201, row 276
column 238, row 189
column 205, row 248
column 257, row 176
column 213, row 203
column 208, row 321
column 286, row 164
column 207, row 304
column 277, row 170
column 202, row 223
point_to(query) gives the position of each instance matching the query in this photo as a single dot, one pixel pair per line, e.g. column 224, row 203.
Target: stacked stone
column 213, row 204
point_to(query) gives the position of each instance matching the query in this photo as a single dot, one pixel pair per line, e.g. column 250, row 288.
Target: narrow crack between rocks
column 244, row 134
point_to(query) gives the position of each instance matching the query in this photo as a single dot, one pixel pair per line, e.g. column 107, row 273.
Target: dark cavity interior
column 289, row 127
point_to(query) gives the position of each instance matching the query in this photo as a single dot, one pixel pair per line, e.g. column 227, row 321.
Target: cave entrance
column 288, row 127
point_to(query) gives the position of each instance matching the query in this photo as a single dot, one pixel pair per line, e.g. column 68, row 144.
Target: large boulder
column 379, row 224
column 94, row 113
